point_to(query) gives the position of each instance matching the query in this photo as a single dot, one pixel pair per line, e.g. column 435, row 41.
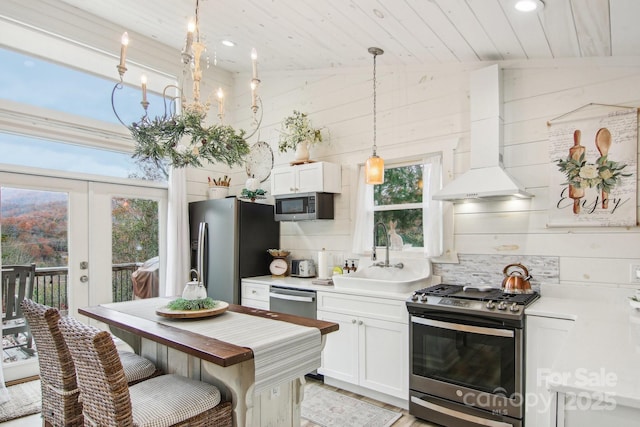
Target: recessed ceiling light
column 529, row 5
column 228, row 43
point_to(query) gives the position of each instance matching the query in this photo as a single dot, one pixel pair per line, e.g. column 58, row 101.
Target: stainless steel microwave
column 303, row 206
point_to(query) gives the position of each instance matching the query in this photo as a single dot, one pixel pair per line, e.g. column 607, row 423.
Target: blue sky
column 33, row 81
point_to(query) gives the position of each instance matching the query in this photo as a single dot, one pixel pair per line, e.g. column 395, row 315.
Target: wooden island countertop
column 210, row 349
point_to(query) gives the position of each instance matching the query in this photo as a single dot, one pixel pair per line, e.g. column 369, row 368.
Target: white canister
column 323, row 264
column 218, row 192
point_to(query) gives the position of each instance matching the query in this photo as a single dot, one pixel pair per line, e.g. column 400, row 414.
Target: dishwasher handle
column 278, row 295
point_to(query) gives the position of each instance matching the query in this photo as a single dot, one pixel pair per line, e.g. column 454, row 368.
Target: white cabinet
column 255, row 295
column 371, row 347
column 310, row 177
column 544, row 339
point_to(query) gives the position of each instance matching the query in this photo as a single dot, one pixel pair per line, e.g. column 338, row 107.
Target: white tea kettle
column 194, row 289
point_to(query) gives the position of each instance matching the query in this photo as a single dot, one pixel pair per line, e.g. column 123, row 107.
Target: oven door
column 472, row 362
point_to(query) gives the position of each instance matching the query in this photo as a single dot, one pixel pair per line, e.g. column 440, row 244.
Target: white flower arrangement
column 297, row 128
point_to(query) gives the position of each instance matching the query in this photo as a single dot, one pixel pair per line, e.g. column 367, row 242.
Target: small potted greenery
column 297, row 134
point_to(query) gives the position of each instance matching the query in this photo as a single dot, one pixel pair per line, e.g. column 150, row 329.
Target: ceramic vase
column 302, row 152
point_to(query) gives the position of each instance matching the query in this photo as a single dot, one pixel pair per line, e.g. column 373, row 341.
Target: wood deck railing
column 51, row 285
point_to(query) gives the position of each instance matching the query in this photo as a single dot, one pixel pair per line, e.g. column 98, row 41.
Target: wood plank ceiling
column 315, row 34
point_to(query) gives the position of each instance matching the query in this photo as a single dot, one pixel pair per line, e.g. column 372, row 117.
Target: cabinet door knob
column 360, row 322
column 353, row 320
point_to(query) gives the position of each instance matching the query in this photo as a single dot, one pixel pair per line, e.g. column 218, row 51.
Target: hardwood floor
column 405, row 421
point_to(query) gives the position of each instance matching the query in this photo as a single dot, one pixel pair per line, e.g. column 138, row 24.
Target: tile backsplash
column 487, row 269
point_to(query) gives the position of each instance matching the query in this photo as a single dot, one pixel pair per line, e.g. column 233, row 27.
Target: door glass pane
column 134, row 248
column 34, row 229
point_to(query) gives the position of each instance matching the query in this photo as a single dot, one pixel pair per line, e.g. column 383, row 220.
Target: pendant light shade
column 374, row 170
column 374, row 167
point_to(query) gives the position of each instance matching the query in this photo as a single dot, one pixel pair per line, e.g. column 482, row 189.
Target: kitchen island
column 257, row 358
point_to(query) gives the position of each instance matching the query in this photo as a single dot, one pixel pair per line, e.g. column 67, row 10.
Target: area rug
column 330, row 409
column 24, row 400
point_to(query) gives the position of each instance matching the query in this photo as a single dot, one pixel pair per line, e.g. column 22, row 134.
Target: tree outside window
column 398, row 204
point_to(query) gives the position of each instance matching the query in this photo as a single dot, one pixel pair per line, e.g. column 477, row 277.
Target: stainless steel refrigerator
column 229, row 241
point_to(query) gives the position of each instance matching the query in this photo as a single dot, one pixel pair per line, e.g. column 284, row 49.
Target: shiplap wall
column 418, row 107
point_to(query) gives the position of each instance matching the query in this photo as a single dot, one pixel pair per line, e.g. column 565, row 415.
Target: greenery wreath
column 604, row 174
column 159, row 140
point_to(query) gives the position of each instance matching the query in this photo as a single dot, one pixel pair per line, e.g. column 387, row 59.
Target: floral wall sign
column 594, row 171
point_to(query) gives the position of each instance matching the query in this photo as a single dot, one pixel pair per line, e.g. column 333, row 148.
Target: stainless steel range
column 467, row 360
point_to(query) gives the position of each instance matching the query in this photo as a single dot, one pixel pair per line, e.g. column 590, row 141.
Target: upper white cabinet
column 310, row 177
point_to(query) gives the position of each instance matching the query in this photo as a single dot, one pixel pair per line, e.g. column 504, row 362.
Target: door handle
column 84, row 278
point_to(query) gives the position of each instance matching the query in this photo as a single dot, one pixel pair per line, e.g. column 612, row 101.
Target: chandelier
column 180, row 138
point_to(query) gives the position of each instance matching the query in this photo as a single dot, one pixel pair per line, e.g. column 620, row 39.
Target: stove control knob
column 423, row 298
column 514, row 308
column 502, row 305
column 491, row 305
column 414, row 296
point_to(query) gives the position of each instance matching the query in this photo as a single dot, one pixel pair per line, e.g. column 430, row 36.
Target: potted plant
column 297, row 134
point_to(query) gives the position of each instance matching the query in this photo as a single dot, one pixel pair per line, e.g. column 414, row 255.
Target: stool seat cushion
column 170, row 399
column 136, row 368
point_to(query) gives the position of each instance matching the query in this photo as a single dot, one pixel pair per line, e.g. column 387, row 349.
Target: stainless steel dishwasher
column 293, row 301
column 297, row 302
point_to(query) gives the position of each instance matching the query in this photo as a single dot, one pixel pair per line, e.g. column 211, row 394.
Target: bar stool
column 166, row 400
column 60, row 405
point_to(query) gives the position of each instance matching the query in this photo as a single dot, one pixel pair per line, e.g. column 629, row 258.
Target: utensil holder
column 218, row 192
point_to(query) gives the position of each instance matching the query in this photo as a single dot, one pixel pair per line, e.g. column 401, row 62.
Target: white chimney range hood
column 486, row 178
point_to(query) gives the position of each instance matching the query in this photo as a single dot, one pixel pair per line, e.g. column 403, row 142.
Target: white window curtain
column 431, row 213
column 178, row 256
column 363, row 225
column 432, row 209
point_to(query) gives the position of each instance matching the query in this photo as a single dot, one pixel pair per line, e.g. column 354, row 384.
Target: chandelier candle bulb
column 123, row 49
column 220, row 94
column 143, row 80
column 254, row 63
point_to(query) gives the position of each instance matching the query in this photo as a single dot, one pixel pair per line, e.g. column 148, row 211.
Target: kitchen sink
column 415, row 274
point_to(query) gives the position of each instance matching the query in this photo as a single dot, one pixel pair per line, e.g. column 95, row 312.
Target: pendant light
column 374, row 167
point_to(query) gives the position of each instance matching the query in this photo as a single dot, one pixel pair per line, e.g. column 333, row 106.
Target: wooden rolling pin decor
column 575, row 152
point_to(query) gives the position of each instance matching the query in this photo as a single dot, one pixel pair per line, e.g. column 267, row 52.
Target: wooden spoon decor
column 603, row 143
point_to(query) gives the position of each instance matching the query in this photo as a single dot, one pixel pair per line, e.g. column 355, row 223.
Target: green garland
column 192, row 304
column 159, row 139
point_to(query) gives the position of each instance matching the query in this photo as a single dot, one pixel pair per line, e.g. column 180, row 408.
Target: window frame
column 420, row 149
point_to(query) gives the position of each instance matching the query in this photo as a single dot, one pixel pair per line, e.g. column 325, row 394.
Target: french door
column 86, row 236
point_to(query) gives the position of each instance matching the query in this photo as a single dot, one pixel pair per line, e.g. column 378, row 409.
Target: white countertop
column 305, row 284
column 601, row 356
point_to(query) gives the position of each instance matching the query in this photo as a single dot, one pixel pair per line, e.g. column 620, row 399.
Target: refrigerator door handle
column 202, row 242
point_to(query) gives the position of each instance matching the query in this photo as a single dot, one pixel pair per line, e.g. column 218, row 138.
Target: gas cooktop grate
column 458, row 292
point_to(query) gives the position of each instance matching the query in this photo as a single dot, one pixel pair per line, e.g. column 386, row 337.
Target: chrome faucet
column 374, row 256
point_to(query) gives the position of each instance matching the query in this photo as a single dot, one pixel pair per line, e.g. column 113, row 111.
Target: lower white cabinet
column 544, row 339
column 255, row 295
column 371, row 347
